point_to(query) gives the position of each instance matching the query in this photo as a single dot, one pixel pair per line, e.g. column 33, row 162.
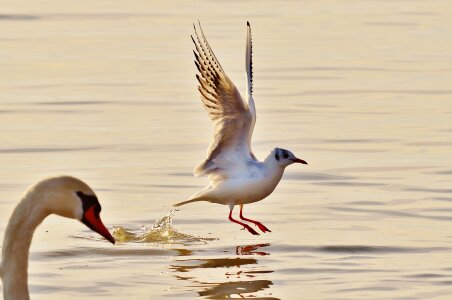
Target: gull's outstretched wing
column 249, row 83
column 233, row 118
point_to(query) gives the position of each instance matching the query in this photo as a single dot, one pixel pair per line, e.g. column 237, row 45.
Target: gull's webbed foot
column 261, row 226
column 245, row 226
column 258, row 224
column 250, row 230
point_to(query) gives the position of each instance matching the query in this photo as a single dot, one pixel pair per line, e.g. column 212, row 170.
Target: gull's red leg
column 247, row 227
column 259, row 224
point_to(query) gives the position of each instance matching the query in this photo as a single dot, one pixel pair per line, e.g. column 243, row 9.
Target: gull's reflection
column 251, row 249
column 241, row 275
column 244, row 289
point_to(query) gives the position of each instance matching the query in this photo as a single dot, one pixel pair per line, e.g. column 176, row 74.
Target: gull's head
column 70, row 197
column 284, row 157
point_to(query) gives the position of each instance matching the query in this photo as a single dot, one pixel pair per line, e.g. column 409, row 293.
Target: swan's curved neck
column 28, row 214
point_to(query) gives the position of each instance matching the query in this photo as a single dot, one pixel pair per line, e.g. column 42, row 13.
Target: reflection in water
column 251, row 249
column 226, row 289
column 229, row 283
column 212, row 263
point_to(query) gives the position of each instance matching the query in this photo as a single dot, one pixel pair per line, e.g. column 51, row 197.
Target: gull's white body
column 51, row 196
column 236, row 176
column 252, row 184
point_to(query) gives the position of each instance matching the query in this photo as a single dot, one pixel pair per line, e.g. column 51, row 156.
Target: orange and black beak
column 91, row 218
column 297, row 160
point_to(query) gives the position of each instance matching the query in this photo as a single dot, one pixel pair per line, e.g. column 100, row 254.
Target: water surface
column 360, row 89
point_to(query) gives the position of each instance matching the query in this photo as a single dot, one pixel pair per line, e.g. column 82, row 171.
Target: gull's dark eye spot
column 286, row 155
column 277, row 156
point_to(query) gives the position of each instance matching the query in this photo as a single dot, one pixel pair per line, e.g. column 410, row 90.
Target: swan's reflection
column 226, row 277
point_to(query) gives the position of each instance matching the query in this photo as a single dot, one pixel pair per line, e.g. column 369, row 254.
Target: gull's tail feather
column 188, row 201
column 200, row 196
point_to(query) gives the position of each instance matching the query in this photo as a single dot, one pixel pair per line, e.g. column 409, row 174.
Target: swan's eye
column 88, row 201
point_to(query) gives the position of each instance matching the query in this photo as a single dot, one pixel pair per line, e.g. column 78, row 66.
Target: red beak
column 297, row 160
column 92, row 219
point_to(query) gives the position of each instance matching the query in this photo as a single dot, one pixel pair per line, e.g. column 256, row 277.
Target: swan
column 64, row 196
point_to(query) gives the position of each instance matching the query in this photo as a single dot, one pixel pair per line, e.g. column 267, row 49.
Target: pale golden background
column 105, row 91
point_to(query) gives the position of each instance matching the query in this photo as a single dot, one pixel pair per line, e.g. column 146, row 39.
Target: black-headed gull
column 236, row 176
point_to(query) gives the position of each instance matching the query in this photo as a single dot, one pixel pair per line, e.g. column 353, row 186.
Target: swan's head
column 72, row 198
column 284, row 157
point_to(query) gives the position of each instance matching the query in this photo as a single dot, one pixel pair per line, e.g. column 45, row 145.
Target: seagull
column 236, row 176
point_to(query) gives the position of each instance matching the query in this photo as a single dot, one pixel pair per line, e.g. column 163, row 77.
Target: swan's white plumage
column 51, row 196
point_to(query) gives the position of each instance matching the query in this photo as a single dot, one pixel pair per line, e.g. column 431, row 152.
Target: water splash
column 162, row 232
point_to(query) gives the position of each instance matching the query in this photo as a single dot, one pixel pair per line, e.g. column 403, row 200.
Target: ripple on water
column 445, row 172
column 392, row 213
column 46, row 150
column 356, row 249
column 310, row 176
column 110, row 252
column 17, row 17
column 442, row 198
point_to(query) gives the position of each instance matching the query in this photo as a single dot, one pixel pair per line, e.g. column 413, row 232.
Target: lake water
column 105, row 91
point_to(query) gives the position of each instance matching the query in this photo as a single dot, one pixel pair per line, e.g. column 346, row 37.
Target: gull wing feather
column 249, row 83
column 232, row 117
